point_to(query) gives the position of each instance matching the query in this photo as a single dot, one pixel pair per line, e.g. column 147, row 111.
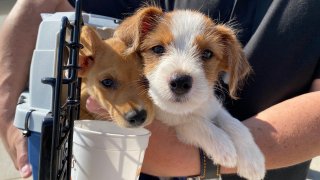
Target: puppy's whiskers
column 234, row 25
column 220, row 91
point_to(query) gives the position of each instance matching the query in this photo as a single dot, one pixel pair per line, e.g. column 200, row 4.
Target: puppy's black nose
column 181, row 84
column 136, row 117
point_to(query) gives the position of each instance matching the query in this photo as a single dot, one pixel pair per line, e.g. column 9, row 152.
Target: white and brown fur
column 197, row 115
column 124, row 97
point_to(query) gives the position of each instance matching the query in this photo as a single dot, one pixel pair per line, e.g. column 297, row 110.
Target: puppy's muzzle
column 180, row 84
column 136, row 117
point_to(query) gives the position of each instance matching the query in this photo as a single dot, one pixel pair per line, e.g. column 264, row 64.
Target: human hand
column 16, row 145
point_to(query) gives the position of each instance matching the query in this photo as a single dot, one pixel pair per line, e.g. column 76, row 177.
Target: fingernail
column 25, row 170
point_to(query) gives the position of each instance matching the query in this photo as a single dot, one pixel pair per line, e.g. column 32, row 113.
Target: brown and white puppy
column 114, row 80
column 184, row 52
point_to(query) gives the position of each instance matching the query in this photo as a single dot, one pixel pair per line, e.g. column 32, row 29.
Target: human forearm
column 18, row 36
column 285, row 133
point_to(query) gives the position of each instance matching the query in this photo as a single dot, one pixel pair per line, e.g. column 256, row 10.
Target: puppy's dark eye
column 159, row 49
column 108, row 83
column 206, row 54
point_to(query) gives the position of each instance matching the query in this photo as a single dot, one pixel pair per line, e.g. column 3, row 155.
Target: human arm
column 288, row 133
column 282, row 143
column 18, row 36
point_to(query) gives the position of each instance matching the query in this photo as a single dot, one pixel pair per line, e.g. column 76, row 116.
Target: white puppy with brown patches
column 184, row 52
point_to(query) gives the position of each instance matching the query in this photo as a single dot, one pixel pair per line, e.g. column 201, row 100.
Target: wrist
column 7, row 112
column 225, row 170
column 10, row 93
column 7, row 134
column 167, row 156
column 208, row 169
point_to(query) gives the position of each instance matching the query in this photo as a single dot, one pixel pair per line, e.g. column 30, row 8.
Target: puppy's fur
column 114, row 80
column 184, row 52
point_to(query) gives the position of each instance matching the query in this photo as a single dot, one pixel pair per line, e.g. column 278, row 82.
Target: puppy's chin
column 181, row 105
column 120, row 120
column 125, row 124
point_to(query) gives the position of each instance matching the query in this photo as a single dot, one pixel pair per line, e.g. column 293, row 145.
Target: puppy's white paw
column 225, row 155
column 255, row 173
column 252, row 166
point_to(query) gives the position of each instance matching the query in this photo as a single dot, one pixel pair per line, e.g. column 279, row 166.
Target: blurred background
column 7, row 169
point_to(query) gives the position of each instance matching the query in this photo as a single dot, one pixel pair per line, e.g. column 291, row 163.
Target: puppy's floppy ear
column 234, row 61
column 91, row 43
column 133, row 29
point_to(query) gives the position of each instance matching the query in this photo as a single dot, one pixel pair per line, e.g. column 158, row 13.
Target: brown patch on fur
column 134, row 28
column 228, row 55
column 235, row 61
column 109, row 62
column 212, row 67
column 159, row 36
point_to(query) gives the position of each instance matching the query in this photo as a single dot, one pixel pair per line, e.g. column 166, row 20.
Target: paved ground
column 5, row 6
column 7, row 170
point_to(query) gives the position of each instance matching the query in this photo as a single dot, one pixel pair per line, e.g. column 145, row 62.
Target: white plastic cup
column 103, row 151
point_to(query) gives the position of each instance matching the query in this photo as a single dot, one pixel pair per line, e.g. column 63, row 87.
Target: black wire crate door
column 57, row 128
